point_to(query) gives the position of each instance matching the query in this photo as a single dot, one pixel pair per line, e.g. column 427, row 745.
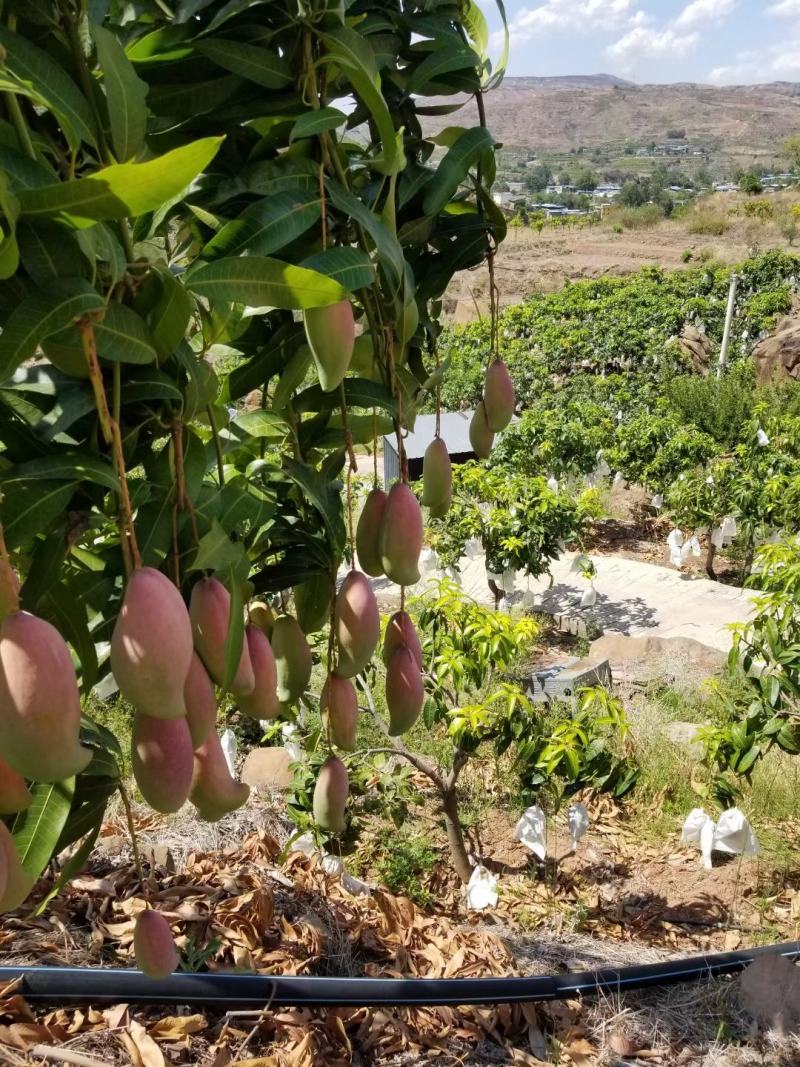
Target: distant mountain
column 745, row 123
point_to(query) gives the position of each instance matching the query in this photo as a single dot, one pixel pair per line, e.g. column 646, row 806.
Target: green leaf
column 27, row 510
column 386, row 244
column 454, row 168
column 170, row 317
column 149, row 384
column 125, row 93
column 68, row 613
column 49, row 251
column 292, row 377
column 216, row 551
column 324, row 496
column 442, row 61
column 266, row 226
column 122, row 189
column 122, row 336
column 47, row 82
column 37, row 830
column 164, row 45
column 313, row 123
column 249, row 61
column 41, row 315
column 260, row 423
column 359, row 392
column 260, row 282
column 77, row 861
column 352, row 52
column 67, row 466
column 350, row 266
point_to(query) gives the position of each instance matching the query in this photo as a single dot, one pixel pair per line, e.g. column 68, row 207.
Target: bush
column 708, row 223
column 718, row 407
column 643, row 217
column 749, row 183
column 759, row 209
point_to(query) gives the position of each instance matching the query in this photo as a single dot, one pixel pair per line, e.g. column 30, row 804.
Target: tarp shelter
column 454, row 431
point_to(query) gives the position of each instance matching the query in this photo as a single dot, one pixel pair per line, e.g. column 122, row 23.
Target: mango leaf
column 122, row 336
column 294, row 568
column 48, row 83
column 454, row 168
column 266, row 226
column 77, row 861
column 352, row 52
column 164, row 45
column 313, row 123
column 453, row 56
column 170, row 317
column 324, row 495
column 216, row 551
column 249, row 61
column 27, row 510
column 261, row 282
column 350, row 266
column 149, row 384
column 42, row 314
column 68, row 614
column 66, row 466
column 49, row 251
column 122, row 189
column 386, row 244
column 22, row 172
column 37, row 830
column 292, row 377
column 359, row 392
column 125, row 94
column 260, row 423
column 269, row 361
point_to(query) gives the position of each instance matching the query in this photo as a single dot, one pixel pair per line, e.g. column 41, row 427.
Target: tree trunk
column 712, row 551
column 455, row 835
column 497, row 593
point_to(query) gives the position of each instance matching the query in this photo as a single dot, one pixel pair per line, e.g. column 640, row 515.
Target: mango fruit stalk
column 330, row 796
column 40, row 705
column 356, row 625
column 151, row 647
column 209, row 611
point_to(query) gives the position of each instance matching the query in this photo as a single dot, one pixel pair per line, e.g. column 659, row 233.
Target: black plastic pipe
column 95, row 985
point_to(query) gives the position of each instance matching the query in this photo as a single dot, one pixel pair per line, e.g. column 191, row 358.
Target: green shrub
column 644, row 217
column 717, row 406
column 708, row 223
column 402, row 862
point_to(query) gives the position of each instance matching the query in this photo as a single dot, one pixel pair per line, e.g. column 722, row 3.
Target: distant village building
column 607, row 192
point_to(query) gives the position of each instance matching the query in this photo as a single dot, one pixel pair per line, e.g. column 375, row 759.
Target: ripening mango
column 262, row 616
column 439, row 510
column 9, row 589
column 480, row 436
column 401, row 633
column 356, row 624
column 153, row 945
column 214, row 792
column 498, row 396
column 338, row 705
column 330, row 796
column 40, row 705
column 331, row 335
column 200, row 700
column 15, row 882
column 263, row 702
column 14, row 794
column 437, row 475
column 151, row 647
column 312, row 602
column 401, row 535
column 209, row 610
column 162, row 756
column 405, row 691
column 368, row 533
column 292, row 658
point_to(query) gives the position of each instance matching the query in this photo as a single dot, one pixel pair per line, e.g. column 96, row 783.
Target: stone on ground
column 268, row 770
column 770, row 992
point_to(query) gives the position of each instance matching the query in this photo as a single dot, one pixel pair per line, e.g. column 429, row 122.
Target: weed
column 708, row 223
column 644, row 217
column 402, row 864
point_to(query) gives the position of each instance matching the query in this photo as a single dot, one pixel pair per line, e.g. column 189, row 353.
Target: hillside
column 554, row 115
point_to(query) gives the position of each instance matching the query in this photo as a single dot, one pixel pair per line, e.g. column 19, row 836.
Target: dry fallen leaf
column 177, row 1027
column 149, row 1053
column 581, row 1052
column 622, row 1044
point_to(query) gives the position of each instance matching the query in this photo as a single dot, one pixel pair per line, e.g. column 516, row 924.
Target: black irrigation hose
column 80, row 985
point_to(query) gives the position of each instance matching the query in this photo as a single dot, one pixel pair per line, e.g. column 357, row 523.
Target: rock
column 158, row 856
column 268, row 769
column 697, row 347
column 780, row 352
column 641, row 659
column 770, row 991
column 684, row 733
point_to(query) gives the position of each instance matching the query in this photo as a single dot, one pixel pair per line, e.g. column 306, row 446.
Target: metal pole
column 726, row 335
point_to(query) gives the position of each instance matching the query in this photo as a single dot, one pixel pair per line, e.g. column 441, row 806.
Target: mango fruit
column 200, row 700
column 153, row 945
column 356, row 624
column 330, row 796
column 331, row 335
column 312, row 602
column 261, row 615
column 14, row 794
column 262, row 703
column 338, row 704
column 401, row 535
column 15, row 882
column 480, row 436
column 498, row 396
column 405, row 691
column 437, row 476
column 40, row 706
column 151, row 647
column 162, row 756
column 9, row 589
column 401, row 633
column 292, row 659
column 368, row 533
column 209, row 610
column 214, row 792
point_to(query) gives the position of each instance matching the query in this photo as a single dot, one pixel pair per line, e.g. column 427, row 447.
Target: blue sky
column 724, row 42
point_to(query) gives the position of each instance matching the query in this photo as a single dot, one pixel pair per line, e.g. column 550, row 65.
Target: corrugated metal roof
column 454, row 430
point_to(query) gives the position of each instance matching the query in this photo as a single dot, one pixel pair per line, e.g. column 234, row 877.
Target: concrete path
column 633, row 598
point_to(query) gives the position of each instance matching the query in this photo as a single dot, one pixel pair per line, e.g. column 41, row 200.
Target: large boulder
column 780, row 352
column 697, row 347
